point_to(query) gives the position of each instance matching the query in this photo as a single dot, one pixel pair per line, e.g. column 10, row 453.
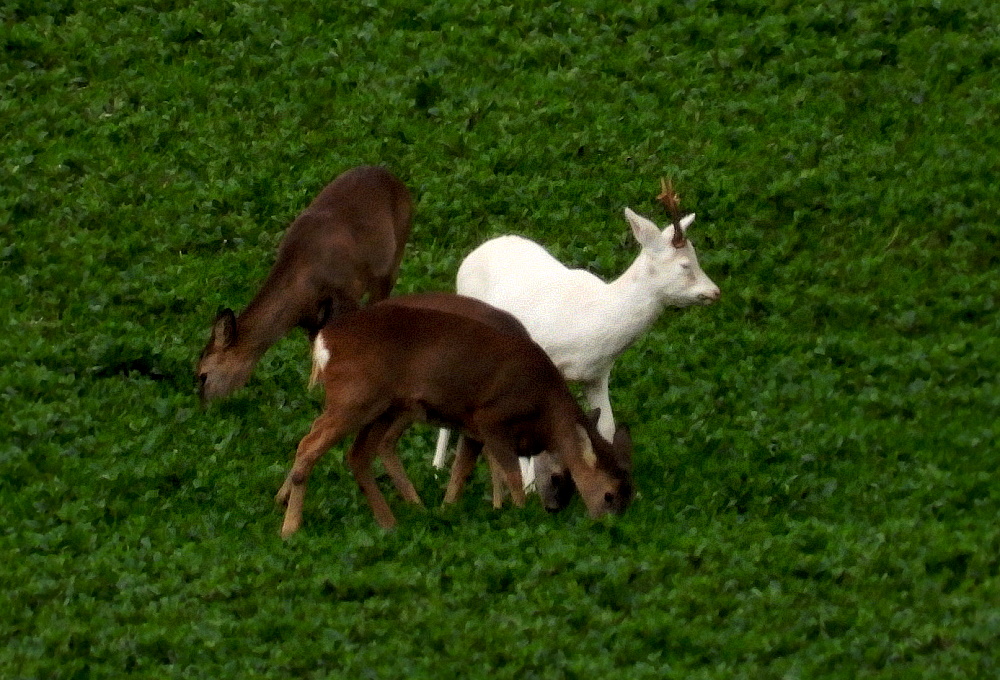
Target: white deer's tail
column 441, row 452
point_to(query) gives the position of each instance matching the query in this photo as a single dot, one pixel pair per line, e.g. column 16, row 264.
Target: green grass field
column 816, row 454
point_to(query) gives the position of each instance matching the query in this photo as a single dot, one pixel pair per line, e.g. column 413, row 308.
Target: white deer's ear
column 646, row 232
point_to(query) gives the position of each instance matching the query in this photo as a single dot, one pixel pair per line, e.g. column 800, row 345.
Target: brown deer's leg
column 516, row 484
column 465, row 461
column 505, row 460
column 326, row 430
column 394, row 467
column 498, row 481
column 359, row 459
column 390, row 458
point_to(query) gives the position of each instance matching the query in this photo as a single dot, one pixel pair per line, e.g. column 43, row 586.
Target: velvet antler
column 672, row 204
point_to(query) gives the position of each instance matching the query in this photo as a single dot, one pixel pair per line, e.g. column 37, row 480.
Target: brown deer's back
column 463, row 305
column 438, row 357
column 365, row 210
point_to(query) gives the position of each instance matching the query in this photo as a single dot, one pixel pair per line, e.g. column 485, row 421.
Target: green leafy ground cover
column 816, row 453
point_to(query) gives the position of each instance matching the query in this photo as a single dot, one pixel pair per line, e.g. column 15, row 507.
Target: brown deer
column 388, row 364
column 555, row 486
column 345, row 245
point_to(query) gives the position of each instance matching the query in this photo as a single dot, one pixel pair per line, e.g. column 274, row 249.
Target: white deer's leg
column 441, row 452
column 527, row 473
column 597, row 397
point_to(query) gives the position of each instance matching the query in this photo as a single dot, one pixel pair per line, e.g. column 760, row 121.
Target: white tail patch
column 321, row 356
column 589, row 457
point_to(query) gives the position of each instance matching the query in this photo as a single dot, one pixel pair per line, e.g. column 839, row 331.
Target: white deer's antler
column 672, row 203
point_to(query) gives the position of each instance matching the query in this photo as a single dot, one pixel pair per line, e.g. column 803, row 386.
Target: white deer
column 582, row 322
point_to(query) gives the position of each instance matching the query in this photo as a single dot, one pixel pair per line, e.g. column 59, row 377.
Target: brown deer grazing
column 388, row 364
column 346, row 244
column 556, row 490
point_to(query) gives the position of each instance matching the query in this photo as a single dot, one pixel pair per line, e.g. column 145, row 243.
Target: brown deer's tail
column 320, row 357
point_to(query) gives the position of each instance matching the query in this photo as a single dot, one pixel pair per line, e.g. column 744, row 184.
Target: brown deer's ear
column 622, row 447
column 594, row 416
column 224, row 330
column 587, row 447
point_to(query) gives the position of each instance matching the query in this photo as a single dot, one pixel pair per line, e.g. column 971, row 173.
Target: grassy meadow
column 816, row 453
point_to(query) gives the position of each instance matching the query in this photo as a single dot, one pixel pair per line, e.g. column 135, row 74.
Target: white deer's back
column 570, row 313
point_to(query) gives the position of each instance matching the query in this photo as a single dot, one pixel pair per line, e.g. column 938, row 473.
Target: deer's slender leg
column 442, row 448
column 465, row 461
column 326, row 431
column 390, row 457
column 359, row 459
column 596, row 394
column 505, row 460
column 498, row 480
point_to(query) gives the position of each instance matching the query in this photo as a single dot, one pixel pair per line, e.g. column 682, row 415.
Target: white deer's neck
column 633, row 303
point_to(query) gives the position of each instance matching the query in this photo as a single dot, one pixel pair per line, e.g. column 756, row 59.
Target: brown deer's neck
column 273, row 312
column 562, row 425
